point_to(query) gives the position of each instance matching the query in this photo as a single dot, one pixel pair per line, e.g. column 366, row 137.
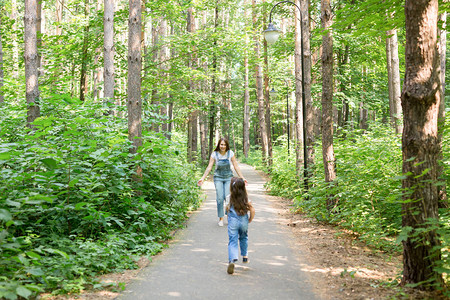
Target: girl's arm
column 208, row 169
column 252, row 212
column 238, row 170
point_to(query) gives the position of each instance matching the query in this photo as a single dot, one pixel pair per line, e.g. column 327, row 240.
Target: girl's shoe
column 230, row 269
column 245, row 259
column 220, row 223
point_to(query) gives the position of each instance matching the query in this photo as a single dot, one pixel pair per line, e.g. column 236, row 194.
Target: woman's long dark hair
column 226, row 143
column 238, row 196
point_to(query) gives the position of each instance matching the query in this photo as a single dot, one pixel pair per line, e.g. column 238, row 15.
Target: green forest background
column 70, row 208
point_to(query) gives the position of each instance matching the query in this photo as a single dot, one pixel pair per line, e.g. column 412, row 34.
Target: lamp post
column 271, row 35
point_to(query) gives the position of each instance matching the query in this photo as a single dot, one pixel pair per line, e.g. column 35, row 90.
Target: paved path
column 194, row 266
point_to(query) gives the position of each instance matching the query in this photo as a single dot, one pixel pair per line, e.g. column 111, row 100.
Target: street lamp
column 271, row 34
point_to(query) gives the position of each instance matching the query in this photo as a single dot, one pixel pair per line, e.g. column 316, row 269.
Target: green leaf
column 56, row 251
column 78, row 206
column 49, row 163
column 33, row 254
column 35, row 271
column 23, row 291
column 157, row 150
column 5, row 156
column 73, row 182
column 5, row 215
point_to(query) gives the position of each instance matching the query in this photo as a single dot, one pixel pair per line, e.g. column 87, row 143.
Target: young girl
column 223, row 157
column 238, row 219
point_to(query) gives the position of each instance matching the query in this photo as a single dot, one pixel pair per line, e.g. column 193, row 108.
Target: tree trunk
column 212, row 102
column 246, row 125
column 164, row 55
column 420, row 100
column 310, row 138
column 31, row 61
column 259, row 90
column 389, row 73
column 443, row 201
column 299, row 153
column 396, row 111
column 98, row 72
column 108, row 51
column 267, row 101
column 327, row 98
column 134, row 102
column 84, row 54
column 193, row 120
column 59, row 6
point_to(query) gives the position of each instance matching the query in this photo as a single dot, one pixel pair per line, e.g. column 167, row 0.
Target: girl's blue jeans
column 222, row 191
column 237, row 232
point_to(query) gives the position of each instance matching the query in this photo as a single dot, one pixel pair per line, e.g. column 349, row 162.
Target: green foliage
column 70, row 209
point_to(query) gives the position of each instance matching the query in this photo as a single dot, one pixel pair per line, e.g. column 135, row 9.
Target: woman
column 223, row 157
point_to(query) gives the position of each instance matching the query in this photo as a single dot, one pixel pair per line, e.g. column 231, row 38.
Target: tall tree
column 298, row 94
column 31, row 61
column 259, row 88
column 267, row 98
column 327, row 96
column 108, row 51
column 192, row 119
column 306, row 33
column 394, row 80
column 443, row 200
column 84, row 54
column 420, row 101
column 59, row 6
column 134, row 101
column 212, row 101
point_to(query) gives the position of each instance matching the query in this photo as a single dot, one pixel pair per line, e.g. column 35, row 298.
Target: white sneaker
column 221, row 223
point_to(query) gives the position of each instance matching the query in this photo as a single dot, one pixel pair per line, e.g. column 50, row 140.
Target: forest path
column 194, row 266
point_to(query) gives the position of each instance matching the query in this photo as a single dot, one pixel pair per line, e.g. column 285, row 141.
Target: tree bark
column 108, row 51
column 212, row 102
column 134, row 102
column 84, row 54
column 98, row 72
column 442, row 190
column 31, row 61
column 267, row 100
column 396, row 111
column 420, row 100
column 310, row 138
column 259, row 89
column 327, row 97
column 59, row 6
column 193, row 120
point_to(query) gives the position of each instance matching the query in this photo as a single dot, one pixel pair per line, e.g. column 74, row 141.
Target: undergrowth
column 72, row 205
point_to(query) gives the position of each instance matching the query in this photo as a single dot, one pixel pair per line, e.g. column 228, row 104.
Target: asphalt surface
column 195, row 264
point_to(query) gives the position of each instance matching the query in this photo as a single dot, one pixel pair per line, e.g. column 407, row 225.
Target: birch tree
column 31, row 61
column 108, row 50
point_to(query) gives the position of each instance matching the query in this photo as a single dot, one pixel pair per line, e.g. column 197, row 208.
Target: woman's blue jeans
column 237, row 232
column 222, row 191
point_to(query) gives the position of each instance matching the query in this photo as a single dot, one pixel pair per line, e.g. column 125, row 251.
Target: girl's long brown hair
column 238, row 196
column 226, row 143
